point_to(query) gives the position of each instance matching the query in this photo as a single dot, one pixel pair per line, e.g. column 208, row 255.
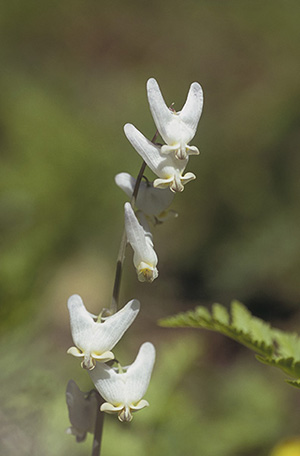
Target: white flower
column 144, row 256
column 150, row 200
column 82, row 411
column 124, row 391
column 95, row 339
column 166, row 167
column 176, row 128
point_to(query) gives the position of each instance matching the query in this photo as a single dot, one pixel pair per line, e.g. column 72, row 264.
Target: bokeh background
column 72, row 74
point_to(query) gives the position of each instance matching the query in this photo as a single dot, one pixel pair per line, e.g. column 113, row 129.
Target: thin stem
column 98, row 427
column 121, row 255
column 118, row 275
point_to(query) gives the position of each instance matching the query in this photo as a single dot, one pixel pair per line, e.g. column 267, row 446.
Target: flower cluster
column 94, row 338
column 177, row 129
column 168, row 162
column 122, row 388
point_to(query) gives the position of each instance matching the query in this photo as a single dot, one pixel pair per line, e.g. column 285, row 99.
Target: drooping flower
column 153, row 202
column 94, row 340
column 176, row 128
column 144, row 256
column 82, row 411
column 123, row 391
column 167, row 167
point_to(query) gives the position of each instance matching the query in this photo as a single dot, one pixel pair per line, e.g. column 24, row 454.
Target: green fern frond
column 295, row 383
column 272, row 346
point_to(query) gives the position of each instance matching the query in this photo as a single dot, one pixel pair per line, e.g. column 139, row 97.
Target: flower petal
column 161, row 114
column 150, row 200
column 176, row 182
column 127, row 388
column 139, row 373
column 140, row 405
column 112, row 329
column 164, row 166
column 192, row 109
column 75, row 352
column 144, row 258
column 109, row 384
column 94, row 338
column 176, row 128
column 149, row 152
column 82, row 409
column 188, row 177
column 127, row 183
column 109, row 408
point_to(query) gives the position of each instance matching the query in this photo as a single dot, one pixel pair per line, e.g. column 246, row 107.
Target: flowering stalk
column 121, row 389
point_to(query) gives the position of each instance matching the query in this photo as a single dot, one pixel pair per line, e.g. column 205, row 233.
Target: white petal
column 140, row 405
column 139, row 373
column 109, row 383
column 75, row 352
column 127, row 183
column 161, row 114
column 176, row 182
column 146, row 272
column 97, row 337
column 191, row 111
column 109, row 408
column 150, row 200
column 145, row 225
column 143, row 250
column 193, row 150
column 149, row 152
column 113, row 328
column 176, row 128
column 164, row 166
column 127, row 388
column 188, row 177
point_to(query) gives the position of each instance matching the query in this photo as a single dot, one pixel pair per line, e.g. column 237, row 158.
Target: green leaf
column 272, row 346
column 295, row 383
column 288, row 343
column 220, row 314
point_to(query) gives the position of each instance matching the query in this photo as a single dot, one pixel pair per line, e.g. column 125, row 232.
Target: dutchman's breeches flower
column 82, row 411
column 144, row 256
column 176, row 128
column 94, row 340
column 152, row 201
column 124, row 391
column 167, row 167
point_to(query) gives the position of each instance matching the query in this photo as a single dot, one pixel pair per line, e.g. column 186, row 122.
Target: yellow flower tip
column 146, row 273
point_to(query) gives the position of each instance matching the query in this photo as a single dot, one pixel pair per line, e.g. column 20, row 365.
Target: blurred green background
column 72, row 74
